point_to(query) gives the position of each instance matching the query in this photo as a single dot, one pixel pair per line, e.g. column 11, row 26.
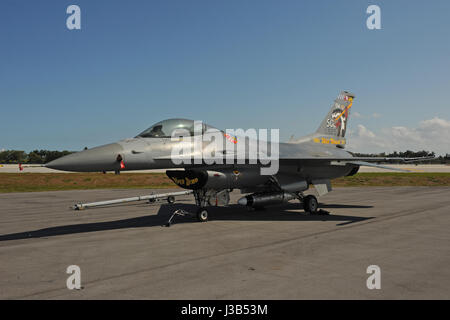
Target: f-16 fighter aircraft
column 213, row 168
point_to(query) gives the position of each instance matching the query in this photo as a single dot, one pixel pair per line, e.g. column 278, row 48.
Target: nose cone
column 103, row 158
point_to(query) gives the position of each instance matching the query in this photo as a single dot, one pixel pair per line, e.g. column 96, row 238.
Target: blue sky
column 232, row 64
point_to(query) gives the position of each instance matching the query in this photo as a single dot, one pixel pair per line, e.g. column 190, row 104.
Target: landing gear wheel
column 310, row 204
column 170, row 199
column 202, row 215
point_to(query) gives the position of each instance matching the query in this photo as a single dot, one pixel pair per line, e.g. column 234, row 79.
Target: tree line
column 408, row 154
column 33, row 157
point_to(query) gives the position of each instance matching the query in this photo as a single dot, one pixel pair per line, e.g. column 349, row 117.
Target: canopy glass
column 165, row 128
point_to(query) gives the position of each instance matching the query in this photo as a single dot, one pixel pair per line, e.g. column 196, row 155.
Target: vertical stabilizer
column 335, row 123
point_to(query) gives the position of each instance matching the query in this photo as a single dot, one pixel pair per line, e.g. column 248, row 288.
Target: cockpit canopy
column 165, row 128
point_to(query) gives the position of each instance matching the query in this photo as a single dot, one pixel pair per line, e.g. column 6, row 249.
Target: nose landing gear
column 202, row 215
column 201, row 199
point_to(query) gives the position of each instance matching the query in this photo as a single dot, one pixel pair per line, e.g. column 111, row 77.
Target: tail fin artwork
column 335, row 123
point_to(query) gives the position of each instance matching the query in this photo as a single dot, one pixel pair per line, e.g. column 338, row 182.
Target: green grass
column 371, row 179
column 31, row 182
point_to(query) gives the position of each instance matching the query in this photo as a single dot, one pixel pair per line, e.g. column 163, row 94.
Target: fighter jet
column 313, row 160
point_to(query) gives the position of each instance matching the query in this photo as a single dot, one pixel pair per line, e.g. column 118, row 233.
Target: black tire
column 310, row 204
column 170, row 199
column 202, row 215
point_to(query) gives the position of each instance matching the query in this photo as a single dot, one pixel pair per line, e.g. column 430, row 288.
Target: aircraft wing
column 318, row 159
column 365, row 159
column 357, row 161
column 369, row 164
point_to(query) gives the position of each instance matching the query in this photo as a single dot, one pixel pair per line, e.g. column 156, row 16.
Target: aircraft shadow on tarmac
column 230, row 213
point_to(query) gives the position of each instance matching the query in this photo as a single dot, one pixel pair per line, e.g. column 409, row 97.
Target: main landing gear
column 311, row 205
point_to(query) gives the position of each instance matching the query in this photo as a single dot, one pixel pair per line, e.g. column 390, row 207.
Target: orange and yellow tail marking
column 348, row 107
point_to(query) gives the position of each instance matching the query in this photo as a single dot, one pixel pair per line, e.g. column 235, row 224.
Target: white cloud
column 430, row 135
column 376, row 115
column 361, row 116
column 363, row 132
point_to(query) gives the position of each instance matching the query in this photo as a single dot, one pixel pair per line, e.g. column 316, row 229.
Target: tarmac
column 125, row 252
